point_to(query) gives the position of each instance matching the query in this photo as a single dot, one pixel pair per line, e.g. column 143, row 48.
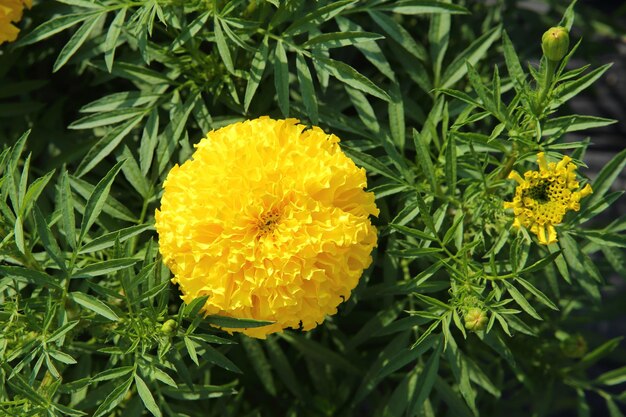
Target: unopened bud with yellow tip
column 475, row 319
column 555, row 43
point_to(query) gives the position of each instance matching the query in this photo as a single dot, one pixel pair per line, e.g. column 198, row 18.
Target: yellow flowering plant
column 184, row 233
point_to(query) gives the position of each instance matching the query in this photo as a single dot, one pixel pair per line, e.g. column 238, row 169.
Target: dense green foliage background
column 435, row 99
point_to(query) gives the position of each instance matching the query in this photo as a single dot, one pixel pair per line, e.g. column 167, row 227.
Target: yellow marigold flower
column 11, row 12
column 543, row 197
column 270, row 220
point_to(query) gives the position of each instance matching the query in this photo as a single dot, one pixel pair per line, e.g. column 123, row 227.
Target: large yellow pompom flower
column 270, row 220
column 543, row 197
column 11, row 12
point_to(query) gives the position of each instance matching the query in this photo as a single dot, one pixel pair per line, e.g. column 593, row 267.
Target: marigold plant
column 270, row 221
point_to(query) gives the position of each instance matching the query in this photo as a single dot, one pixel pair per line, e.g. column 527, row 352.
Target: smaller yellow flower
column 11, row 12
column 543, row 197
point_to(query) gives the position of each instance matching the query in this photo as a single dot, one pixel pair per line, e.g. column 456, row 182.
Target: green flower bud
column 475, row 319
column 169, row 327
column 574, row 346
column 555, row 43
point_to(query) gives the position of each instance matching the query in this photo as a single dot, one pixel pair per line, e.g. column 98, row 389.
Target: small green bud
column 574, row 346
column 169, row 327
column 555, row 43
column 475, row 319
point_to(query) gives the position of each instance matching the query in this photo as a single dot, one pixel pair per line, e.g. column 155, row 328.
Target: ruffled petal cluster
column 271, row 221
column 543, row 197
column 11, row 12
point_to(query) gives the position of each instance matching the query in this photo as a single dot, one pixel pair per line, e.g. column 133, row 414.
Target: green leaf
column 412, row 7
column 222, row 46
column 114, row 398
column 108, row 240
column 398, row 34
column 397, row 125
column 47, row 239
column 257, row 67
column 307, row 90
column 259, row 363
column 318, row 16
column 123, row 100
column 567, row 90
column 426, row 379
column 40, row 279
column 281, row 78
column 104, row 267
column 149, row 138
column 475, row 52
column 614, row 377
column 54, row 26
column 62, row 357
column 18, row 234
column 413, row 232
column 372, row 164
column 565, row 124
column 512, row 62
column 606, row 177
column 112, row 373
column 104, row 118
column 534, row 291
column 113, row 34
column 93, row 304
column 318, row 352
column 281, row 365
column 146, row 396
column 521, row 300
column 340, row 39
column 61, row 331
column 422, row 154
column 97, row 199
column 438, row 39
column 348, row 75
column 33, row 193
column 568, row 17
column 75, row 42
column 66, row 201
column 599, row 353
column 133, row 174
column 236, row 323
column 105, row 146
column 111, row 207
column 191, row 349
column 190, row 30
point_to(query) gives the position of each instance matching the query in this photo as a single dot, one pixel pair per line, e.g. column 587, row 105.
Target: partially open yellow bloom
column 11, row 12
column 271, row 221
column 543, row 197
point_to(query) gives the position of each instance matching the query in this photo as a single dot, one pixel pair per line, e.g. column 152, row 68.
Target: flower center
column 539, row 192
column 267, row 222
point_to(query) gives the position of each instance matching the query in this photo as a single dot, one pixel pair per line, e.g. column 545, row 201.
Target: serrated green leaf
column 606, row 177
column 30, row 276
column 348, row 75
column 104, row 118
column 281, row 78
column 105, row 146
column 96, row 200
column 222, row 45
column 398, row 34
column 412, row 7
column 573, row 123
column 113, row 35
column 47, row 239
column 54, row 26
column 307, row 90
column 190, row 30
column 257, row 67
column 422, row 155
column 75, row 42
column 93, row 304
column 104, row 267
column 114, row 398
column 146, row 396
column 522, row 301
column 474, row 53
column 318, row 16
column 66, row 200
column 108, row 240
